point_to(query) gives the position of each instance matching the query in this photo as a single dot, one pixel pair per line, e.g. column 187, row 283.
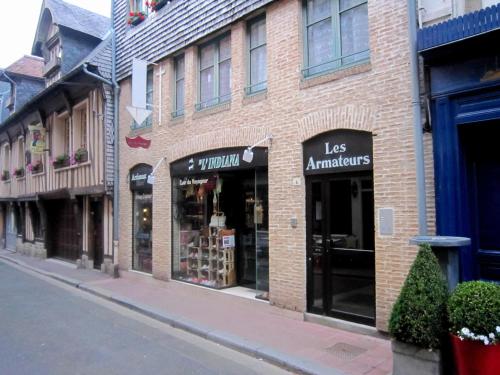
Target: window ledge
column 176, row 120
column 38, row 174
column 334, row 75
column 75, row 166
column 20, row 178
column 139, row 131
column 6, row 181
column 255, row 97
column 216, row 108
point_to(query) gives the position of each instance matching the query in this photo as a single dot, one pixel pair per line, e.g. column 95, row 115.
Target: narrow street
column 49, row 328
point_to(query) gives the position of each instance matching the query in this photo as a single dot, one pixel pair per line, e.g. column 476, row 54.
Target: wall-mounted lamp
column 248, row 153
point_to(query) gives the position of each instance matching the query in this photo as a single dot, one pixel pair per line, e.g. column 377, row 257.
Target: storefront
column 340, row 225
column 142, row 214
column 220, row 220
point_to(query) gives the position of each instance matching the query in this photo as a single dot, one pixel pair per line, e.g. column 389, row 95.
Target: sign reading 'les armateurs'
column 338, row 151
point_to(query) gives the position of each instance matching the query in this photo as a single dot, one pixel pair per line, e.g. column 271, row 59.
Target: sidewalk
column 257, row 328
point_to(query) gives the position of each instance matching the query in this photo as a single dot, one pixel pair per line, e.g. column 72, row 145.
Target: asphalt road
column 50, row 328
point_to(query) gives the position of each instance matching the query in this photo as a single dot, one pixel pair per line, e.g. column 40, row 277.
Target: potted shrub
column 5, row 175
column 418, row 319
column 61, row 161
column 136, row 18
column 474, row 316
column 81, row 155
column 19, row 172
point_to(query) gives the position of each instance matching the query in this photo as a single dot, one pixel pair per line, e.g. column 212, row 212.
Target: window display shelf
column 210, row 263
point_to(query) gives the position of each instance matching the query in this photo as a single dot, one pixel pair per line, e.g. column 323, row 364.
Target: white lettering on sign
column 192, row 181
column 339, row 160
column 137, row 177
column 216, row 162
column 335, row 149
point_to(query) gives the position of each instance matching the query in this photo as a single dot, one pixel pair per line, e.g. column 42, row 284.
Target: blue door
column 482, row 161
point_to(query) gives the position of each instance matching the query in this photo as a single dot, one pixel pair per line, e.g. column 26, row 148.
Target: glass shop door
column 340, row 247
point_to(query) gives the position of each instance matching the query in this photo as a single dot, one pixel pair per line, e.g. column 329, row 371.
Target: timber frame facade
column 56, row 149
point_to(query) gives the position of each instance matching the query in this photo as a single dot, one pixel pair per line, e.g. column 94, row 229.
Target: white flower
column 466, row 331
column 486, row 341
column 498, row 329
column 492, row 336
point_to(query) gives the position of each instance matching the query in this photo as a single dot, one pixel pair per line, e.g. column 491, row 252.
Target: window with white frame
column 257, row 56
column 80, row 126
column 215, row 72
column 20, row 169
column 336, row 34
column 6, row 162
column 62, row 136
column 178, row 86
column 149, row 102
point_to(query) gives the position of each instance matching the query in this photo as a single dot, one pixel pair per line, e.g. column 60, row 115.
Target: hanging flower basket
column 61, row 161
column 81, row 155
column 36, row 167
column 136, row 18
column 156, row 5
column 18, row 172
column 5, row 175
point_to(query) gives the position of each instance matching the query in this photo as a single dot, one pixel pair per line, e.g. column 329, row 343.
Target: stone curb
column 234, row 342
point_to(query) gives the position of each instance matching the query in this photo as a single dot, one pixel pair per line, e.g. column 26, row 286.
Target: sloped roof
column 71, row 17
column 27, row 65
column 76, row 18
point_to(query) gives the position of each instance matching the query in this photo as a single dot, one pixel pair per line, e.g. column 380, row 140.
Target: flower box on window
column 156, row 5
column 18, row 172
column 61, row 161
column 81, row 155
column 136, row 18
column 36, row 167
column 5, row 175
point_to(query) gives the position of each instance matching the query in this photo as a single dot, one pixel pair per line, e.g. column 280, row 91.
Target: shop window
column 336, row 34
column 149, row 103
column 178, row 86
column 257, row 56
column 220, row 221
column 215, row 73
column 142, row 213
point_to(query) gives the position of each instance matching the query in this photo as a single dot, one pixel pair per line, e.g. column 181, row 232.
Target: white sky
column 18, row 31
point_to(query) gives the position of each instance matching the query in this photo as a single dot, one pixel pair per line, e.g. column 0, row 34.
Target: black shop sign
column 138, row 178
column 220, row 160
column 338, row 151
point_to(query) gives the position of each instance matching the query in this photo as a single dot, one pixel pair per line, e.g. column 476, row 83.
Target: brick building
column 299, row 224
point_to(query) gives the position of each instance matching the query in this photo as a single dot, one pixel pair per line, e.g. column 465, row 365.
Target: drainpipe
column 417, row 119
column 116, row 144
column 96, row 76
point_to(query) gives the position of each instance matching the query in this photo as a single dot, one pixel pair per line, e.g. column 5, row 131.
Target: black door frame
column 327, row 250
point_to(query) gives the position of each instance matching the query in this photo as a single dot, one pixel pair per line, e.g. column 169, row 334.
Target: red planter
column 474, row 358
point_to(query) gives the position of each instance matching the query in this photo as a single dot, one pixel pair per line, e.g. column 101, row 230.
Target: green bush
column 475, row 305
column 419, row 314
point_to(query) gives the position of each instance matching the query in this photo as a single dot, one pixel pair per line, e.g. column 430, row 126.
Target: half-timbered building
column 56, row 147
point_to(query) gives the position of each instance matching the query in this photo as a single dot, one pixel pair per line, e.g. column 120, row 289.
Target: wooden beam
column 68, row 103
